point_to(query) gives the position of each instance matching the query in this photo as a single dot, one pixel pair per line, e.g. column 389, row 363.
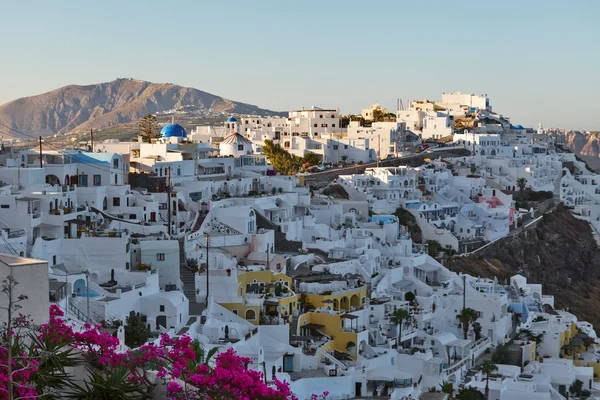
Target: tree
column 477, row 330
column 487, row 368
column 149, row 128
column 521, row 182
column 470, row 393
column 136, row 332
column 433, row 248
column 283, row 162
column 398, row 317
column 576, row 388
column 447, row 388
column 344, row 158
column 466, row 317
column 378, row 115
column 311, row 158
column 501, row 355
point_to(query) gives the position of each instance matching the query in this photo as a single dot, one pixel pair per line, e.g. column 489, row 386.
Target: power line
column 70, row 156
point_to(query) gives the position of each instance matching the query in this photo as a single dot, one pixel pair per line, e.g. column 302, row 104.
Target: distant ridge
column 75, row 108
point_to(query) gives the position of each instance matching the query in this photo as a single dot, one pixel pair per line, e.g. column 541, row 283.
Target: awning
column 387, row 374
column 210, row 165
column 27, row 199
column 312, row 326
column 349, row 316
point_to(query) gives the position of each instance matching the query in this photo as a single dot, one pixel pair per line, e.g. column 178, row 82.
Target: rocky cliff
column 80, row 108
column 560, row 253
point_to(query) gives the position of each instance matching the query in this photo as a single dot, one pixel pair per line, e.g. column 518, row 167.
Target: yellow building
column 341, row 300
column 333, row 326
column 266, row 291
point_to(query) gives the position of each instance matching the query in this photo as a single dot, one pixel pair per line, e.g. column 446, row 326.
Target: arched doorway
column 52, row 180
column 105, row 204
column 67, row 180
column 250, row 315
column 344, row 303
column 354, row 301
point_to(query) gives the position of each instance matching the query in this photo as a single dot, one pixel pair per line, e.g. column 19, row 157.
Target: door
column 358, row 389
column 288, row 364
column 152, row 216
column 161, row 320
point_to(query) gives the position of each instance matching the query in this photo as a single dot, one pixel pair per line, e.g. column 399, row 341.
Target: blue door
column 288, row 364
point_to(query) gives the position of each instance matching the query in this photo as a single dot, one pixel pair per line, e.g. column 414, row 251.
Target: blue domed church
column 173, row 130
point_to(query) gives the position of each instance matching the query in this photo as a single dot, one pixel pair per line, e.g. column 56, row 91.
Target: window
column 160, row 256
column 116, row 201
column 316, row 125
column 346, row 146
column 4, row 206
column 240, row 147
column 116, row 163
column 335, row 146
column 97, row 180
column 162, row 308
column 333, row 125
column 321, row 116
column 163, row 206
column 234, row 311
column 323, row 125
column 53, row 260
column 83, row 182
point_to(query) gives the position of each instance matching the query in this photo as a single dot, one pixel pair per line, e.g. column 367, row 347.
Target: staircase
column 186, row 275
column 293, row 325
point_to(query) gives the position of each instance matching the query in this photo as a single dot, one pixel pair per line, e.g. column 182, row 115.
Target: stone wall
column 319, row 180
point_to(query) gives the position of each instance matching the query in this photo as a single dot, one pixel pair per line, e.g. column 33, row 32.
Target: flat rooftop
column 15, row 261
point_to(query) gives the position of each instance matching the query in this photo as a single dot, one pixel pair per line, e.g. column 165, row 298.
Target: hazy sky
column 537, row 60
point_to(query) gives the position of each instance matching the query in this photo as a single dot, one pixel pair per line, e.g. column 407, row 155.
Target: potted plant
column 351, row 347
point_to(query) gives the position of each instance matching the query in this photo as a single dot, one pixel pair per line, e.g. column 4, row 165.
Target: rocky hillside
column 80, row 108
column 585, row 145
column 560, row 253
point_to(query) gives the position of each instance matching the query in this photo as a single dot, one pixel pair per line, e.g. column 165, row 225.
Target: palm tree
column 466, row 317
column 398, row 317
column 521, row 182
column 487, row 368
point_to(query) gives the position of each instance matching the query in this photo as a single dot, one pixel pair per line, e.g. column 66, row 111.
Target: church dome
column 231, row 119
column 173, row 130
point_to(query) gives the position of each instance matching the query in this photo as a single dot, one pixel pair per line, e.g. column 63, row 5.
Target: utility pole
column 87, row 291
column 168, row 188
column 464, row 291
column 207, row 247
column 268, row 264
column 91, row 140
column 41, row 165
column 378, row 149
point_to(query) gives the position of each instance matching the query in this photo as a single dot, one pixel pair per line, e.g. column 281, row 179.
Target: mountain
column 80, row 108
column 585, row 145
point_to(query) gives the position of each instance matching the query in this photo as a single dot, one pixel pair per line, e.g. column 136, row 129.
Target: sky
column 536, row 59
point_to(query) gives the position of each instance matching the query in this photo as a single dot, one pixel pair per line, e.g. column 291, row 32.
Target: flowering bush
column 179, row 362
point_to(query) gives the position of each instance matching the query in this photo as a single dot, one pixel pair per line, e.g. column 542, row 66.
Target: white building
column 481, row 102
column 31, row 293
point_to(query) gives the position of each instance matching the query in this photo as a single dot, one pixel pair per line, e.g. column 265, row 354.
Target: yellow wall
column 247, row 278
column 317, row 299
column 241, row 311
column 331, row 327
